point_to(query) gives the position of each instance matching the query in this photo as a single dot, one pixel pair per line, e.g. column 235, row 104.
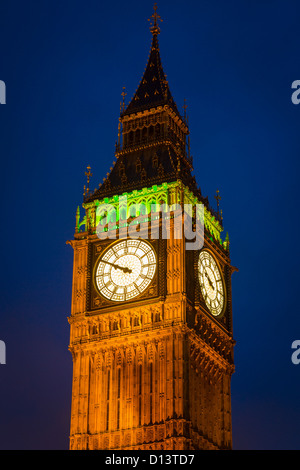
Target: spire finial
column 77, row 220
column 218, row 199
column 154, row 21
column 186, row 118
column 184, row 109
column 123, row 94
column 226, row 242
column 88, row 174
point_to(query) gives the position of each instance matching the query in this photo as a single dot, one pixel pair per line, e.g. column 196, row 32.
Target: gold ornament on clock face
column 125, row 270
column 211, row 283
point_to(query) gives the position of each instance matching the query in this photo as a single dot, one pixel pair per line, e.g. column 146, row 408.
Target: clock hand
column 209, row 281
column 117, row 266
column 124, row 269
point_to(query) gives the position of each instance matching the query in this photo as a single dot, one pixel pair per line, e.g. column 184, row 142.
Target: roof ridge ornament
column 154, row 28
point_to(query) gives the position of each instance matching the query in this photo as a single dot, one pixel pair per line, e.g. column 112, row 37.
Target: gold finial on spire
column 189, row 149
column 123, row 94
column 186, row 118
column 226, row 246
column 218, row 199
column 88, row 174
column 122, row 109
column 184, row 109
column 154, row 21
column 77, row 220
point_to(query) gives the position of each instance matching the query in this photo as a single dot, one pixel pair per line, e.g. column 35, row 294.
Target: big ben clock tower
column 151, row 321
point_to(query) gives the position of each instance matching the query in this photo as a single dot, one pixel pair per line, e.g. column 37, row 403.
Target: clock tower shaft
column 152, row 372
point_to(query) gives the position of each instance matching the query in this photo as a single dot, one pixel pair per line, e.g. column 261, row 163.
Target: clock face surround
column 125, row 270
column 211, row 283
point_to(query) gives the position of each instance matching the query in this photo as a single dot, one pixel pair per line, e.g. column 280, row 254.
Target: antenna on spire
column 154, row 21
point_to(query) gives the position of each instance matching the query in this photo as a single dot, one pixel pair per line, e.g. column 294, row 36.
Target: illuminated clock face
column 125, row 270
column 211, row 283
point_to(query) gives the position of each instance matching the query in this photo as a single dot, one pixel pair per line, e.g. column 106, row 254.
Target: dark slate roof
column 143, row 168
column 128, row 174
column 153, row 89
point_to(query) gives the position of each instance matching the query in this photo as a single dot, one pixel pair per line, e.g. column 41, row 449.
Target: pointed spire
column 153, row 89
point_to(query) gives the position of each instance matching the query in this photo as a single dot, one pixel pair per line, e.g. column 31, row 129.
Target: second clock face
column 125, row 270
column 211, row 283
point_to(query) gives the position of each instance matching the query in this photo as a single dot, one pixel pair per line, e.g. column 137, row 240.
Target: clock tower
column 151, row 318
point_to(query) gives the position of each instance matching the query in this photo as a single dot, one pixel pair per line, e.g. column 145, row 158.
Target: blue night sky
column 64, row 64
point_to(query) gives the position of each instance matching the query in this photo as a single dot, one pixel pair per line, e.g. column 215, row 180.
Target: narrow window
column 140, row 395
column 118, row 398
column 151, row 390
column 107, row 399
column 140, row 379
column 118, row 415
column 108, row 384
column 119, row 382
column 151, row 376
column 140, row 410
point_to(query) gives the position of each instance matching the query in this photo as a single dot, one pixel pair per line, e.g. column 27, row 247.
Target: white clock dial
column 211, row 283
column 125, row 270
